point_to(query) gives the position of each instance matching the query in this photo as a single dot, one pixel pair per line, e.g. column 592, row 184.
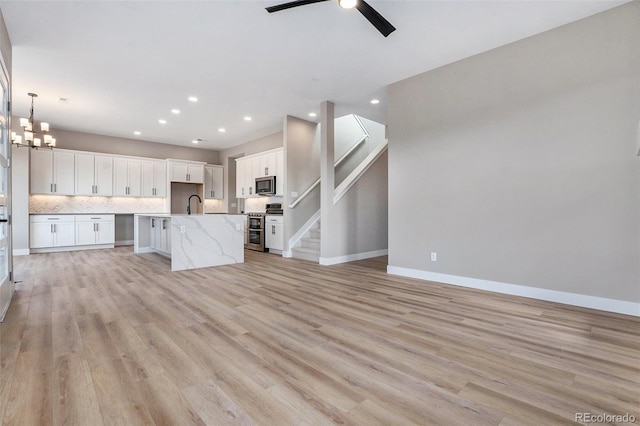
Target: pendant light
column 31, row 137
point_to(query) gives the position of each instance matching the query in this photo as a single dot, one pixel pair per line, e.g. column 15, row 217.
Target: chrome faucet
column 189, row 202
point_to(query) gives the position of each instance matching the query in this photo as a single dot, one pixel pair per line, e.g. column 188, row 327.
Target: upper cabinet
column 269, row 163
column 213, row 182
column 186, row 171
column 154, row 178
column 127, row 177
column 94, row 175
column 52, row 172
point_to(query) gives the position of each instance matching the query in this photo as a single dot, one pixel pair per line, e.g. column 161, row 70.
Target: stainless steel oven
column 255, row 231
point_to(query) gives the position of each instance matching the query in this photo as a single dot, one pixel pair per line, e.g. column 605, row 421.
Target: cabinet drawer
column 94, row 218
column 274, row 219
column 51, row 218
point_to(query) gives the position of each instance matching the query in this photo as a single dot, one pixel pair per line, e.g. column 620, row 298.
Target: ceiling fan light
column 347, row 4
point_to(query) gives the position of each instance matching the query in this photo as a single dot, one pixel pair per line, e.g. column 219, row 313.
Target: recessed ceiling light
column 313, row 114
column 161, row 121
column 137, row 133
column 222, row 130
column 247, row 118
column 175, row 111
column 375, row 101
column 193, row 99
column 195, row 141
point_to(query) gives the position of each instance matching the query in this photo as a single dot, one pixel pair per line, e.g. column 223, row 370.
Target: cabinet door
column 41, row 171
column 240, row 179
column 105, row 233
column 161, row 179
column 252, row 171
column 85, row 173
column 179, row 172
column 104, row 175
column 120, row 181
column 85, row 233
column 64, row 234
column 165, row 235
column 208, row 182
column 134, row 168
column 64, row 173
column 148, row 179
column 267, row 164
column 196, row 173
column 218, row 183
column 41, row 235
column 153, row 232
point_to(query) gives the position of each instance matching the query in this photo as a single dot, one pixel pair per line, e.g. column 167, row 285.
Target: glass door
column 6, row 282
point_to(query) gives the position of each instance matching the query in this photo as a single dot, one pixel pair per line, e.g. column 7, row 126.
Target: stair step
column 306, row 253
column 314, row 233
column 313, row 243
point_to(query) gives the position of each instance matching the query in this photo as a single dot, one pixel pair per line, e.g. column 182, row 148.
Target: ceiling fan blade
column 375, row 18
column 291, row 4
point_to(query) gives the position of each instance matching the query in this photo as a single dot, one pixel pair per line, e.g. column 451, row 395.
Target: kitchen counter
column 191, row 241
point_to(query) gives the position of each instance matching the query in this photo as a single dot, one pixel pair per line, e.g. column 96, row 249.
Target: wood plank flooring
column 106, row 337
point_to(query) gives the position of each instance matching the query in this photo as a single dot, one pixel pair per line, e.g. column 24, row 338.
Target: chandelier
column 31, row 137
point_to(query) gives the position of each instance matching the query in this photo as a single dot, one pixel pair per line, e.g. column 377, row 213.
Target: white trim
column 124, row 243
column 71, row 248
column 145, row 250
column 351, row 257
column 287, row 253
column 21, row 252
column 574, row 299
column 303, row 230
column 355, row 175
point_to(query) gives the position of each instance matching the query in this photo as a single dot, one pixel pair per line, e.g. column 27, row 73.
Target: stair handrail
column 336, row 164
column 353, row 177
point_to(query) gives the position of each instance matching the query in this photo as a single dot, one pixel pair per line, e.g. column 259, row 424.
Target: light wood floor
column 109, row 337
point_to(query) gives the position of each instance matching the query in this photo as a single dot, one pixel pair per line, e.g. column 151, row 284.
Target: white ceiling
column 125, row 64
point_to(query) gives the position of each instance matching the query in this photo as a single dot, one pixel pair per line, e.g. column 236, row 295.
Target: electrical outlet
column 434, row 256
column 183, row 229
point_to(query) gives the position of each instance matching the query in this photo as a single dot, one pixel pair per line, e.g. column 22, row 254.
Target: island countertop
column 192, row 241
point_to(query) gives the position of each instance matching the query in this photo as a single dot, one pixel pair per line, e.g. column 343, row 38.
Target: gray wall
column 302, row 164
column 519, row 165
column 360, row 219
column 5, row 45
column 68, row 139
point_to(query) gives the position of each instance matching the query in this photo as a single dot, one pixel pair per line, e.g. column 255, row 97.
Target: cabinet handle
column 54, row 228
column 51, row 187
column 273, row 230
column 55, row 187
column 266, row 171
column 153, row 223
column 164, row 223
column 51, row 228
column 250, row 190
column 242, row 191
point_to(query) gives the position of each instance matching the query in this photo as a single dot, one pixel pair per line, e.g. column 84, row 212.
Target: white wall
column 519, row 165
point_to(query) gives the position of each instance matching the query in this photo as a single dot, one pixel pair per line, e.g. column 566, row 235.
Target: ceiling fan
column 367, row 11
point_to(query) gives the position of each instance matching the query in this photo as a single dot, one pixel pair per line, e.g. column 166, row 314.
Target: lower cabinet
column 160, row 235
column 70, row 232
column 92, row 230
column 52, row 231
column 274, row 233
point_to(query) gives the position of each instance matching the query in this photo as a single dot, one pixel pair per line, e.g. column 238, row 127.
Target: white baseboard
column 287, row 253
column 124, row 243
column 574, row 299
column 351, row 257
column 71, row 248
column 21, row 252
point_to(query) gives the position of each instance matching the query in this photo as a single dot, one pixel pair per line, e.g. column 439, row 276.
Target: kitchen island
column 191, row 241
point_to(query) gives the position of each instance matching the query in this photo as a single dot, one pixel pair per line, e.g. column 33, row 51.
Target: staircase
column 309, row 245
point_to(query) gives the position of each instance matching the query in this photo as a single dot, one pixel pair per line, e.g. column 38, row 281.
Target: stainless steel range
column 255, row 231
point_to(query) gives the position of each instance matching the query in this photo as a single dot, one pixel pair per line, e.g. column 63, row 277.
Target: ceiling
column 123, row 65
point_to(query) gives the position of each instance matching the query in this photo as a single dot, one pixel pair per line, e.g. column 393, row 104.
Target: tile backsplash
column 79, row 204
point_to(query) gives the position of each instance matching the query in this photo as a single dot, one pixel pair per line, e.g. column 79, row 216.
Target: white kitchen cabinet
column 213, row 182
column 95, row 229
column 274, row 233
column 154, row 178
column 93, row 175
column 52, row 172
column 52, row 231
column 185, row 171
column 127, row 177
column 160, row 234
column 269, row 163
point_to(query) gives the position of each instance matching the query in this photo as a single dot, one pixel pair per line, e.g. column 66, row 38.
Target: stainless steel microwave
column 266, row 185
